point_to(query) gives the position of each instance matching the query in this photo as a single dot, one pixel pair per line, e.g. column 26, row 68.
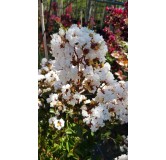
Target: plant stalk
column 43, row 28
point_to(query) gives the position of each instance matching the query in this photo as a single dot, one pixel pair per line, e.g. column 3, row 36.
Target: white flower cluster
column 96, row 117
column 122, row 157
column 82, row 80
column 46, row 76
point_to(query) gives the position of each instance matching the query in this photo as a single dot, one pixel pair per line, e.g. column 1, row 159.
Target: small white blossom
column 52, row 98
column 59, row 123
column 61, row 32
column 122, row 157
column 87, row 101
column 52, row 120
column 44, row 60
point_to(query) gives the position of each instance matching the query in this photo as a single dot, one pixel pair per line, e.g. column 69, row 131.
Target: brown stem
column 43, row 28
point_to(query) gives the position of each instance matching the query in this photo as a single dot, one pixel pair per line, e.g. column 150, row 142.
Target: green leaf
column 69, row 131
column 92, row 133
column 56, row 145
column 67, row 146
column 70, row 154
column 84, row 130
column 52, row 110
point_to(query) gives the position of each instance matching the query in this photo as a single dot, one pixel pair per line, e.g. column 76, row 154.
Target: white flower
column 59, row 123
column 65, row 88
column 52, row 98
column 88, row 71
column 44, row 60
column 96, row 117
column 84, row 113
column 122, row 157
column 87, row 101
column 61, row 32
column 87, row 120
column 52, row 120
column 74, row 71
column 93, row 128
column 97, row 38
column 109, row 78
column 84, row 107
column 107, row 66
column 41, row 77
column 46, row 69
column 50, row 76
column 78, row 97
column 73, row 102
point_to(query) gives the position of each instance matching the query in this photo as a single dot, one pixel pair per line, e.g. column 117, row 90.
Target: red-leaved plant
column 115, row 34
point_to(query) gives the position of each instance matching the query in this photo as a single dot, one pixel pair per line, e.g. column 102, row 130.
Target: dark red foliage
column 66, row 20
column 110, row 38
column 54, row 6
column 117, row 18
column 115, row 31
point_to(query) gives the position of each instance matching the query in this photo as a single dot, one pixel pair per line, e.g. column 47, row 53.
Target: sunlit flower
column 122, row 157
column 59, row 123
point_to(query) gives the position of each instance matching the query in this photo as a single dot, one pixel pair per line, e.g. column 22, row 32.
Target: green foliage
column 76, row 141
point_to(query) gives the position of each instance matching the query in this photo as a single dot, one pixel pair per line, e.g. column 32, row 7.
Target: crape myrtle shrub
column 82, row 107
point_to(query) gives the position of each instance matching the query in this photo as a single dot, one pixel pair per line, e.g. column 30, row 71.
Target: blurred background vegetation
column 82, row 11
column 87, row 8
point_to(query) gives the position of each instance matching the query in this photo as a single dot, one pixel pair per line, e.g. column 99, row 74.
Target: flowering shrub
column 83, row 98
column 117, row 38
